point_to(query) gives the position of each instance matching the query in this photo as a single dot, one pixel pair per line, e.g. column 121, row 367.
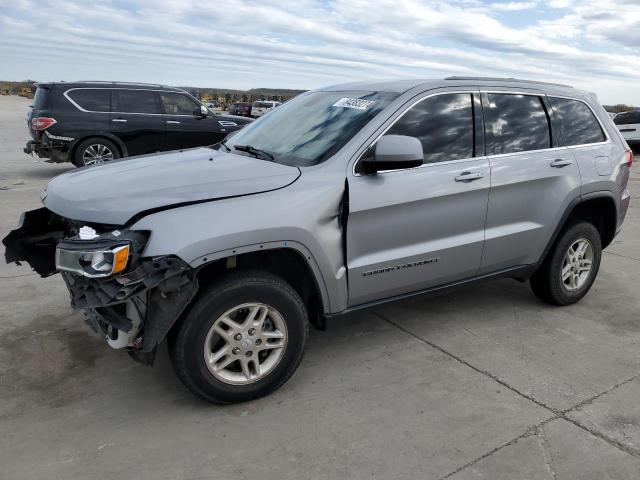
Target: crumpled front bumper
column 134, row 309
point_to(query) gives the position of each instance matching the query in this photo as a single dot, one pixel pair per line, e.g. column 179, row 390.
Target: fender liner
column 282, row 244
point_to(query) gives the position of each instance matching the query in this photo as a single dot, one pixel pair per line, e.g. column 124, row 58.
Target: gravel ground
column 484, row 383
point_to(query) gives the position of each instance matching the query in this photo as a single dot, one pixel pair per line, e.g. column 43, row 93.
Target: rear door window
column 517, row 123
column 91, row 99
column 444, row 125
column 578, row 125
column 135, row 101
column 178, row 104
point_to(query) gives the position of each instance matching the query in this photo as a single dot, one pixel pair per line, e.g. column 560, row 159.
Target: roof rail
column 507, row 79
column 106, row 82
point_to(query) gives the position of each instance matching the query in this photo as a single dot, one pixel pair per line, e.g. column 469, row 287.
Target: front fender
column 303, row 219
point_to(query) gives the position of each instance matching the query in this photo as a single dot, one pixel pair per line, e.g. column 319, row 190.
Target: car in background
column 263, row 106
column 629, row 125
column 240, row 109
column 88, row 123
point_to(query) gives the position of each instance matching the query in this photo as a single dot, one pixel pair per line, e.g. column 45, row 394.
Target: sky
column 305, row 44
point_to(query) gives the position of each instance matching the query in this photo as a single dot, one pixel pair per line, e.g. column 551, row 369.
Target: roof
column 103, row 84
column 401, row 86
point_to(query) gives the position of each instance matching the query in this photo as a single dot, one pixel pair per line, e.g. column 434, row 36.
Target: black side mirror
column 394, row 152
column 201, row 112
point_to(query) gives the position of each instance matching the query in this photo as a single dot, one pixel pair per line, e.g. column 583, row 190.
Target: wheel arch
column 598, row 208
column 289, row 260
column 106, row 135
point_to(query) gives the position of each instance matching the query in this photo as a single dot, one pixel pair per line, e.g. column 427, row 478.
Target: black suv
column 88, row 123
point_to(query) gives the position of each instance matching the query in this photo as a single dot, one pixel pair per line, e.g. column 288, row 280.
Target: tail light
column 629, row 157
column 42, row 123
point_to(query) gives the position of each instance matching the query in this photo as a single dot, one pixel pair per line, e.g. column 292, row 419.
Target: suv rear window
column 262, row 105
column 517, row 123
column 627, row 118
column 577, row 123
column 135, row 101
column 91, row 99
column 444, row 125
column 41, row 98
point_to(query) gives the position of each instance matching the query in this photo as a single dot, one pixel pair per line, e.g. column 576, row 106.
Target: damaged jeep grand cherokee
column 340, row 199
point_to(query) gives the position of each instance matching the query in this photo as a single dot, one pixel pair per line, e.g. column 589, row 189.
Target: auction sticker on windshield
column 356, row 103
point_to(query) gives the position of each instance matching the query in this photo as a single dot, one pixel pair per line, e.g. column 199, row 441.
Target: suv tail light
column 42, row 123
column 629, row 155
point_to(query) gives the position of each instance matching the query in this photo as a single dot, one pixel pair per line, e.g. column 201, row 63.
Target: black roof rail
column 507, row 79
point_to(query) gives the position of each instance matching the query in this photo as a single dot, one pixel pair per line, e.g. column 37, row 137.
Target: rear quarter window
column 91, row 99
column 41, row 98
column 578, row 124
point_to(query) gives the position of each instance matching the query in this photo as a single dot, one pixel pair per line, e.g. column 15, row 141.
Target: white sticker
column 356, row 103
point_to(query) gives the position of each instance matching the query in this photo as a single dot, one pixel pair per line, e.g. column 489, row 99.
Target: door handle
column 560, row 162
column 469, row 177
column 173, row 122
column 119, row 120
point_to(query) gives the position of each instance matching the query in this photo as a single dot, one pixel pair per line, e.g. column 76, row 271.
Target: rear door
column 413, row 229
column 184, row 129
column 533, row 179
column 136, row 118
column 629, row 125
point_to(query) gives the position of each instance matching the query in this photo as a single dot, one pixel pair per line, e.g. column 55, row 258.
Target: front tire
column 95, row 151
column 243, row 338
column 571, row 266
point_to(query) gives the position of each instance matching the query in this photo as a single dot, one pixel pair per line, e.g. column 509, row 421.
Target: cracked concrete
column 485, row 383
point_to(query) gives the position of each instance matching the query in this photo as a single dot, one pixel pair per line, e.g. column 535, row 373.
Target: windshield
column 312, row 127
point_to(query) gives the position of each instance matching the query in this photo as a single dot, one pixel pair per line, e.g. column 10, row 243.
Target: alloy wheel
column 96, row 154
column 245, row 343
column 577, row 265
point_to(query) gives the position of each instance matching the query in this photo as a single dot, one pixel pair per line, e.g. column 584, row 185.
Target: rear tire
column 567, row 273
column 215, row 353
column 95, row 151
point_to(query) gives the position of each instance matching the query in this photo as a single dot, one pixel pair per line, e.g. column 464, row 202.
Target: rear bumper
column 50, row 147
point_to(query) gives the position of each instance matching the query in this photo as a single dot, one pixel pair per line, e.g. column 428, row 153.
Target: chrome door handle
column 172, row 122
column 469, row 176
column 559, row 163
column 118, row 120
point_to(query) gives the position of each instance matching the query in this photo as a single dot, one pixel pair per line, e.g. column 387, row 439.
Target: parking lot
column 483, row 383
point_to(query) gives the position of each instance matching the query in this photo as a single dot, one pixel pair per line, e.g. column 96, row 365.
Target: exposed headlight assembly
column 93, row 263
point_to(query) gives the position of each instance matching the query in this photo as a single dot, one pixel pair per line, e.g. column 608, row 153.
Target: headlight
column 93, row 263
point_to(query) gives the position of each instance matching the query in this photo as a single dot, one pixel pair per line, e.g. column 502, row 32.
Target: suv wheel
column 243, row 338
column 95, row 151
column 571, row 266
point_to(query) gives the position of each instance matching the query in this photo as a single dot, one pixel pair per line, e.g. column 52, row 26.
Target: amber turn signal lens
column 120, row 258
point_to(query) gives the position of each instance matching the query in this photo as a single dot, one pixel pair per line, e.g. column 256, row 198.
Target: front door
column 417, row 228
column 184, row 129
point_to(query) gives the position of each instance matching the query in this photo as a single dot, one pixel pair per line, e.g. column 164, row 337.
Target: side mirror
column 394, row 152
column 201, row 112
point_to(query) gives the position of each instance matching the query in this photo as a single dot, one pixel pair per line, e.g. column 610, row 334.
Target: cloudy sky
column 592, row 44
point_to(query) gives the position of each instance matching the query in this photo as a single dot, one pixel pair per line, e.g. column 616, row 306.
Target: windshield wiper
column 256, row 152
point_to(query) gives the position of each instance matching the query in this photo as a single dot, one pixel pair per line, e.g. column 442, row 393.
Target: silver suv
column 341, row 199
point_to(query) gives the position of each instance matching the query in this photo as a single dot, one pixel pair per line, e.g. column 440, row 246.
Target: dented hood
column 115, row 192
